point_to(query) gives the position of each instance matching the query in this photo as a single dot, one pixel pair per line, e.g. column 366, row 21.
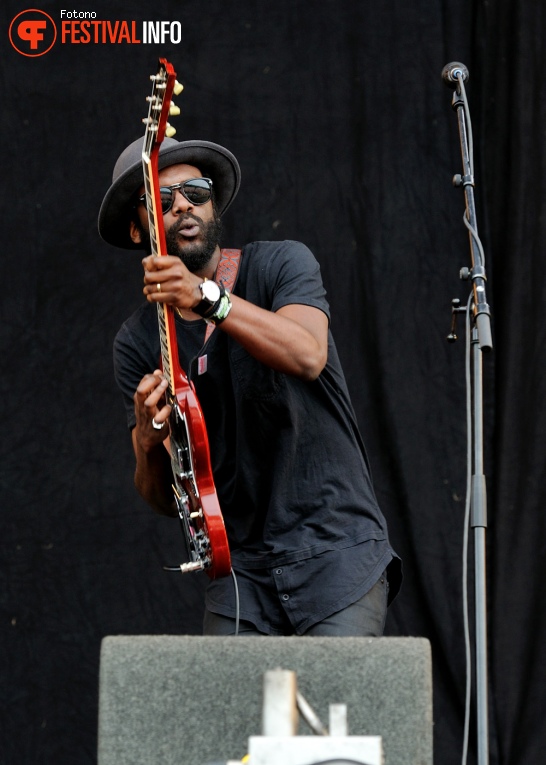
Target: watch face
column 210, row 291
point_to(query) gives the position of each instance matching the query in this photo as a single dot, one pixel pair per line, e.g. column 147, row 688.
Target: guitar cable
column 235, row 590
column 237, row 605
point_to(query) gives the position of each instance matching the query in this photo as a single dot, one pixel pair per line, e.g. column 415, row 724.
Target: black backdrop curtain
column 347, row 141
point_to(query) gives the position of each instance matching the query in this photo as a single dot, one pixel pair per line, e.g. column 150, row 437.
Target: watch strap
column 221, row 310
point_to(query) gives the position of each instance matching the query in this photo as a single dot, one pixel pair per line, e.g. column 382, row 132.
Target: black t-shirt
column 289, row 464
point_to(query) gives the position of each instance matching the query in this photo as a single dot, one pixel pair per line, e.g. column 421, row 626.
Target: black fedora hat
column 213, row 161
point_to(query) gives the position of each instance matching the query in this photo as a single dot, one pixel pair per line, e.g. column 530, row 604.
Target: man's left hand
column 167, row 280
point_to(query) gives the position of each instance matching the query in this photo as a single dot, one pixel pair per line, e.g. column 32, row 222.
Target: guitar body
column 195, row 493
column 193, row 483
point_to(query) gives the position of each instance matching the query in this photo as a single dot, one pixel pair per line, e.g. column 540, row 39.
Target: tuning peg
column 170, row 131
column 178, row 88
column 174, row 110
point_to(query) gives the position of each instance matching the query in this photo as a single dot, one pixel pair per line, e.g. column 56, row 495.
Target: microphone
column 453, row 72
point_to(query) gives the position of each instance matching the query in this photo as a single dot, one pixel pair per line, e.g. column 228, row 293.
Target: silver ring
column 158, row 286
column 157, row 425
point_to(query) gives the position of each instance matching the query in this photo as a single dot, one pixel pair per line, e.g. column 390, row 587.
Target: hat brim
column 213, row 161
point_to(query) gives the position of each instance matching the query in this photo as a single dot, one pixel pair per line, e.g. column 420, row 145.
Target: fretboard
column 167, row 341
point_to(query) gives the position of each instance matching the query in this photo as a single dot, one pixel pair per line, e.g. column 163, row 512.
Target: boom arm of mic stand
column 482, row 313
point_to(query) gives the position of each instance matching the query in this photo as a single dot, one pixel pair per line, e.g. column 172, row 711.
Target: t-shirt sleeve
column 293, row 276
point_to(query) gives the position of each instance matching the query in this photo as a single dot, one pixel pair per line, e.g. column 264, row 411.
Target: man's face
column 192, row 232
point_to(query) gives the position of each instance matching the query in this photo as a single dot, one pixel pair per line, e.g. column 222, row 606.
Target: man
column 308, row 543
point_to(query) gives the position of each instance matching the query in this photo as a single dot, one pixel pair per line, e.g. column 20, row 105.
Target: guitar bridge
column 195, row 535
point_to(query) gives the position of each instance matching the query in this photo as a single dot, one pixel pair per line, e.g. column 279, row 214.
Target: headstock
column 161, row 106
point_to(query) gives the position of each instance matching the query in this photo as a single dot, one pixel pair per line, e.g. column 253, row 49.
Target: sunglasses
column 198, row 191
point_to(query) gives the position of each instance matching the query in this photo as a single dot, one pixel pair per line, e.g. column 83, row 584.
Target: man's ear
column 134, row 233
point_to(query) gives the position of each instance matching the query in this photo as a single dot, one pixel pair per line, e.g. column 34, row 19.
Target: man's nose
column 180, row 203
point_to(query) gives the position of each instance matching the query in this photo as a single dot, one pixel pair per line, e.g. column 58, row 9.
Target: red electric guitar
column 193, row 484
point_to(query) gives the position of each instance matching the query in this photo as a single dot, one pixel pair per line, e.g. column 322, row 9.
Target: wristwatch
column 211, row 293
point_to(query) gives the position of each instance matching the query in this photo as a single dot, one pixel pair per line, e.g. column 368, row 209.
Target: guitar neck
column 167, row 329
column 165, row 315
column 164, row 83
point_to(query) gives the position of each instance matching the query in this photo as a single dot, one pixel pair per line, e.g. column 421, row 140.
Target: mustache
column 184, row 220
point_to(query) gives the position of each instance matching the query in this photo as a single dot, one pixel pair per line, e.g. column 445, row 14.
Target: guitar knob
column 170, row 131
column 178, row 88
column 174, row 110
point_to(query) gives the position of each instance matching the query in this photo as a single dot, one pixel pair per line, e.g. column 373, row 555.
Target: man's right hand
column 151, row 411
column 153, row 474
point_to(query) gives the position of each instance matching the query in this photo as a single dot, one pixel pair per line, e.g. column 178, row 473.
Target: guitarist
column 309, row 545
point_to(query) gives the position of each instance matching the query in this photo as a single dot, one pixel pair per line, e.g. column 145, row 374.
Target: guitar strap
column 226, row 273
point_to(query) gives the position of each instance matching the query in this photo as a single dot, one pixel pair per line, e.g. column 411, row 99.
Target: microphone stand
column 481, row 341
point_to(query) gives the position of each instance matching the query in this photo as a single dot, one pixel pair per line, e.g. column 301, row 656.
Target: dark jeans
column 365, row 618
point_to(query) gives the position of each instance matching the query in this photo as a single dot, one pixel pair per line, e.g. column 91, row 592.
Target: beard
column 194, row 255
